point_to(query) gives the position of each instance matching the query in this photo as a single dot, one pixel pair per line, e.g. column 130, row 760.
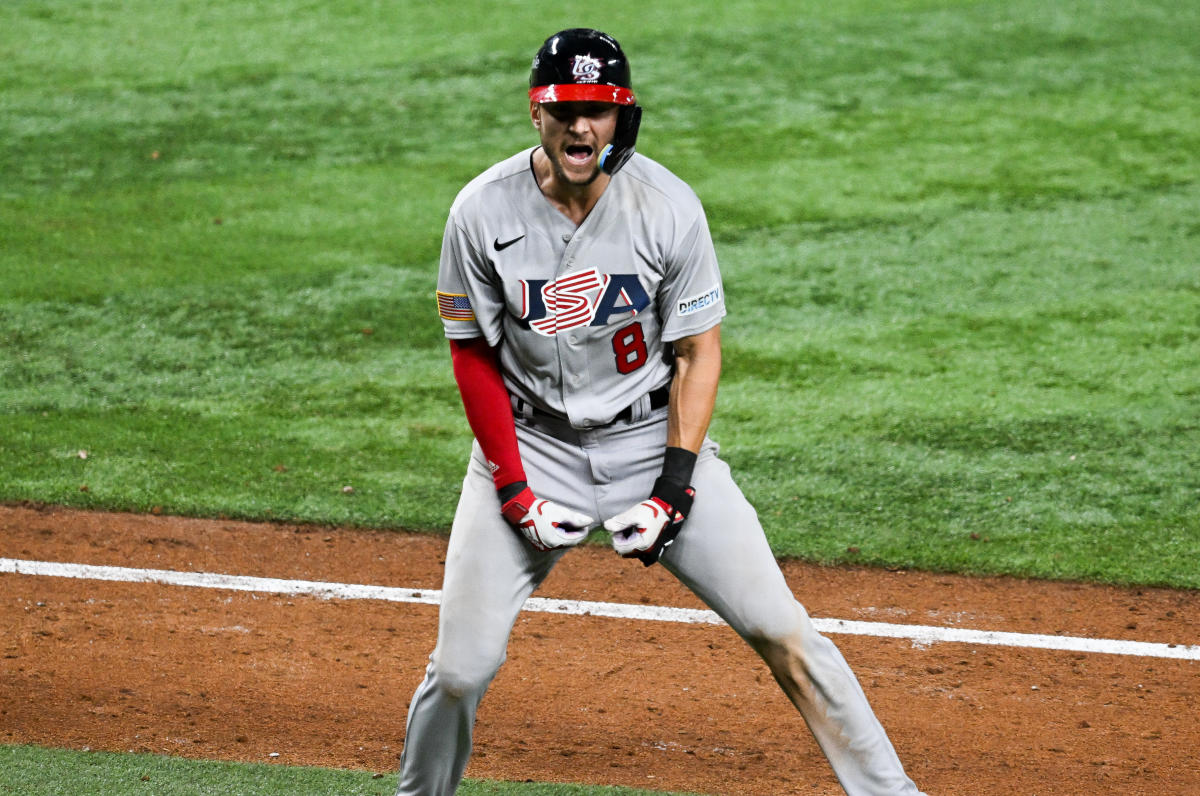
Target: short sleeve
column 692, row 298
column 468, row 296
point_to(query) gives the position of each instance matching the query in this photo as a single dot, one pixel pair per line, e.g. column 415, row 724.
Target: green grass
column 959, row 242
column 33, row 771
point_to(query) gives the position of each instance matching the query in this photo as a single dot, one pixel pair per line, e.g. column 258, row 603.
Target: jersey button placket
column 570, row 358
column 573, row 362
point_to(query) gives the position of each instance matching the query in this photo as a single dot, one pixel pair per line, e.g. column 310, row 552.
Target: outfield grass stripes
column 918, row 634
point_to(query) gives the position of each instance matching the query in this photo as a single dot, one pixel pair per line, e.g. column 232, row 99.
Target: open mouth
column 578, row 153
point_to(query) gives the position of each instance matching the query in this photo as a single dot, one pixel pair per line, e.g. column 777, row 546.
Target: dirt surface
column 205, row 673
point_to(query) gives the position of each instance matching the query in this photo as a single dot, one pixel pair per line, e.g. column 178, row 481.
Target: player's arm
column 694, row 389
column 489, row 414
column 648, row 528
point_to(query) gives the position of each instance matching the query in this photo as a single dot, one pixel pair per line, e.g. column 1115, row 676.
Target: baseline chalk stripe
column 209, row 580
column 925, row 634
column 918, row 634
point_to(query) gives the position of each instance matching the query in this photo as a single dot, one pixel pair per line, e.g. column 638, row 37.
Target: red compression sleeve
column 489, row 412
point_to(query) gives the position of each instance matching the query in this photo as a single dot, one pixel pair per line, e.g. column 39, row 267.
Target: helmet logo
column 586, row 69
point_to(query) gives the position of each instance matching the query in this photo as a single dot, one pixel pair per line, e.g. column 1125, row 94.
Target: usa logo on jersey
column 587, row 298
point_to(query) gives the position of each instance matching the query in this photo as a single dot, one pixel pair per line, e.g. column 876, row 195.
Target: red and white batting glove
column 645, row 530
column 545, row 524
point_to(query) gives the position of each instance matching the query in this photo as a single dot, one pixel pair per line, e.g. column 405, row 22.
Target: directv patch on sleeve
column 702, row 302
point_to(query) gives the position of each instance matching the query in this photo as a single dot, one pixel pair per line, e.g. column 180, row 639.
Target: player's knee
column 778, row 627
column 462, row 678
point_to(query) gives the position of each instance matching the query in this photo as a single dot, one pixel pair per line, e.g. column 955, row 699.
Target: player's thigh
column 722, row 555
column 490, row 571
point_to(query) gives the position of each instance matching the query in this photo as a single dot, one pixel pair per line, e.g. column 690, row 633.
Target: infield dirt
column 237, row 676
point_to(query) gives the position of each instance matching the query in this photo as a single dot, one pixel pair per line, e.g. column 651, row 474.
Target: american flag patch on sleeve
column 455, row 307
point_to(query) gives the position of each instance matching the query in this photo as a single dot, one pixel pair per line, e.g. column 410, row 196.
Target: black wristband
column 678, row 464
column 510, row 491
column 676, row 495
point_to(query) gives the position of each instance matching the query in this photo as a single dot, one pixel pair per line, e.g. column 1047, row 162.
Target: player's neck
column 573, row 200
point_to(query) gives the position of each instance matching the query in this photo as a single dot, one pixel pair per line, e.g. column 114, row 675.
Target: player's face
column 573, row 136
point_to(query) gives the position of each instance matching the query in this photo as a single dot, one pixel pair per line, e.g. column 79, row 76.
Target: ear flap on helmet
column 614, row 156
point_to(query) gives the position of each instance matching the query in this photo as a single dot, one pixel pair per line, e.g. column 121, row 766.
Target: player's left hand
column 544, row 523
column 645, row 530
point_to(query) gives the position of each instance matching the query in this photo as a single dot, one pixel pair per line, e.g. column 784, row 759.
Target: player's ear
column 535, row 115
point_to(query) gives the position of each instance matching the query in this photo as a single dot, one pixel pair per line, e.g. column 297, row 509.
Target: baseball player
column 580, row 293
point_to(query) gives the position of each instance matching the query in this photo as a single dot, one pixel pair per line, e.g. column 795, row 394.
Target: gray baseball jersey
column 584, row 313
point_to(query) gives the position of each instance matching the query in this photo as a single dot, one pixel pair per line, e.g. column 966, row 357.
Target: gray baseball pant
column 722, row 555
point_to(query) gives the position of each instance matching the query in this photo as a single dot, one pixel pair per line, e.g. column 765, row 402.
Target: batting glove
column 645, row 530
column 545, row 524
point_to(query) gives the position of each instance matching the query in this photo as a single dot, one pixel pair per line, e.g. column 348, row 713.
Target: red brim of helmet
column 582, row 92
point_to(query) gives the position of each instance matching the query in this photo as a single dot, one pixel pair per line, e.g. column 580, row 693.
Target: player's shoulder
column 503, row 178
column 647, row 175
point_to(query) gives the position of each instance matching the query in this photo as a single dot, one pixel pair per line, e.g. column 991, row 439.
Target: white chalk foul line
column 918, row 634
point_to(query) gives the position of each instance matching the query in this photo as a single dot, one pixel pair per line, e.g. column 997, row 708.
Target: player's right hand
column 544, row 523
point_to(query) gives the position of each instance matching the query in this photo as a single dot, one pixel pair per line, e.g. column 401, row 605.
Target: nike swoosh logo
column 502, row 246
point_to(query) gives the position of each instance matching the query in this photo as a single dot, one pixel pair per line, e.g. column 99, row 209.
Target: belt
column 658, row 399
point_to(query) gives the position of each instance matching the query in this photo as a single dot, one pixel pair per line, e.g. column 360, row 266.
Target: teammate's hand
column 645, row 530
column 544, row 523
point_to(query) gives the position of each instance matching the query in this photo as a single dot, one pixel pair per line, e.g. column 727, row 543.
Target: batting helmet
column 585, row 65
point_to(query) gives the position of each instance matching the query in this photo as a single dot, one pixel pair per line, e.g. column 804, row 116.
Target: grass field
column 959, row 241
column 30, row 771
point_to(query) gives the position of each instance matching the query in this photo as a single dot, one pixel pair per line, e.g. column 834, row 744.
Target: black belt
column 658, row 399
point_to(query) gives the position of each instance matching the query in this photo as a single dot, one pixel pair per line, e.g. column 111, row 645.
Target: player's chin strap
column 615, row 155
